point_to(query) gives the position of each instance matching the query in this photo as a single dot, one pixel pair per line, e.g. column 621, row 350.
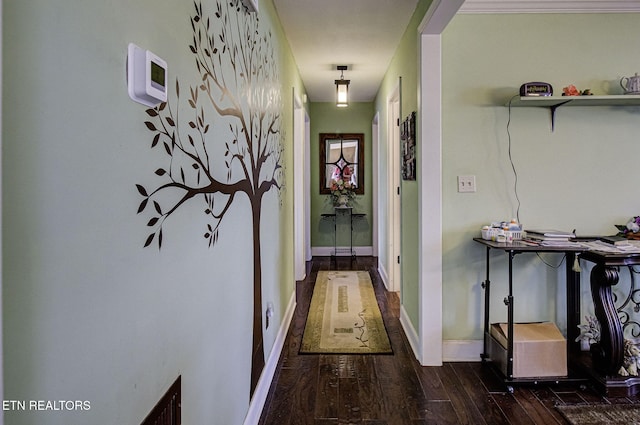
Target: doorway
column 301, row 189
column 394, row 205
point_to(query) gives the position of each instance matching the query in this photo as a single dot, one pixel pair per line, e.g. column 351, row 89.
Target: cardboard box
column 539, row 349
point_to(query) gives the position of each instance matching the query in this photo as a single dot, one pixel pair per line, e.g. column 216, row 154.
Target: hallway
column 395, row 389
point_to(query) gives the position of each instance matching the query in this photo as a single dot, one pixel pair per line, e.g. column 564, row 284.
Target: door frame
column 1, row 291
column 394, row 105
column 438, row 16
column 376, row 181
column 301, row 189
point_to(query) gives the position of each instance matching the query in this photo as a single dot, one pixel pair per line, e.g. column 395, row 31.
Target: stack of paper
column 550, row 237
column 632, row 247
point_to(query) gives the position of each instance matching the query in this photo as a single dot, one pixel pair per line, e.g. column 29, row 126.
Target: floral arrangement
column 342, row 192
column 631, row 229
column 571, row 90
column 589, row 331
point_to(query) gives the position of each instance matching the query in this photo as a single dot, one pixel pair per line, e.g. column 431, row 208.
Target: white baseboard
column 326, row 251
column 452, row 350
column 462, row 350
column 410, row 332
column 384, row 276
column 264, row 383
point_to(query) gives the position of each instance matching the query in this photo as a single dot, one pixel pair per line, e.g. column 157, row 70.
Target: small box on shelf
column 492, row 234
column 539, row 349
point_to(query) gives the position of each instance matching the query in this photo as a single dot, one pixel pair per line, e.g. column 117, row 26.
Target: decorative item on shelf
column 589, row 333
column 571, row 90
column 630, row 85
column 342, row 192
column 503, row 231
column 631, row 230
column 536, row 89
column 631, row 360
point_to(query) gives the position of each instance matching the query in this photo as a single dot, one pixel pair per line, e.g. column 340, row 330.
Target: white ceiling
column 364, row 34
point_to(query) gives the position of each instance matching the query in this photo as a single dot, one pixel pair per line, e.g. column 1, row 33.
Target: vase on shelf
column 342, row 201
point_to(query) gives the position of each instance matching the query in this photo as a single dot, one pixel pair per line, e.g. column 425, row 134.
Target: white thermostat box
column 147, row 76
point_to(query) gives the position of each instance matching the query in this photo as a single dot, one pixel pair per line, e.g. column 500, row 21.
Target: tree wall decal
column 239, row 80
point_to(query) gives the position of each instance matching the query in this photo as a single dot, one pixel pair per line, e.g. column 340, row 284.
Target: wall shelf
column 549, row 101
column 554, row 102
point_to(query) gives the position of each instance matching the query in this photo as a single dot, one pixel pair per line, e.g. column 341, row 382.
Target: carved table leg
column 608, row 355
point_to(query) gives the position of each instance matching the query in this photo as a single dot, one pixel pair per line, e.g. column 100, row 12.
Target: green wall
column 580, row 176
column 328, row 118
column 404, row 66
column 88, row 313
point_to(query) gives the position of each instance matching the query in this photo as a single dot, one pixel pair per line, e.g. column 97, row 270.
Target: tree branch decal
column 239, row 153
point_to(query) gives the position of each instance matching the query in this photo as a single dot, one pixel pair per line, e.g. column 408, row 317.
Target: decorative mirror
column 341, row 157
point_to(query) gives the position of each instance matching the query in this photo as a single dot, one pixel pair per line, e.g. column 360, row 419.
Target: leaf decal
column 142, row 190
column 143, row 205
column 150, row 125
column 153, row 221
column 161, row 172
column 149, row 240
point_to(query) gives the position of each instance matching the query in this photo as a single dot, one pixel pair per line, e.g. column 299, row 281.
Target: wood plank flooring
column 395, row 389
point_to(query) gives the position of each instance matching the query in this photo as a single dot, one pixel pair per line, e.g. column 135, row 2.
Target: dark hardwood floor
column 395, row 389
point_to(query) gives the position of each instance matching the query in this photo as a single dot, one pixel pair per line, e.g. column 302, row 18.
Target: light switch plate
column 466, row 184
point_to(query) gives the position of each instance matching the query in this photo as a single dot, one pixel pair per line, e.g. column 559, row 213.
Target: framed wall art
column 408, row 139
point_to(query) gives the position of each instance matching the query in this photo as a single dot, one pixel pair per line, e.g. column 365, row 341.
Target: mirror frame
column 323, row 161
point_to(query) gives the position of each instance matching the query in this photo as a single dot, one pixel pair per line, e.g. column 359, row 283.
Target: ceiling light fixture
column 342, row 88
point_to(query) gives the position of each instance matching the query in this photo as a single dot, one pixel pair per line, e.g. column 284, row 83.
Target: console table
column 343, row 212
column 603, row 362
column 573, row 306
column 607, row 356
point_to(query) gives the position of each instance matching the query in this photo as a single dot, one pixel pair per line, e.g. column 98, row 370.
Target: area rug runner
column 609, row 414
column 344, row 317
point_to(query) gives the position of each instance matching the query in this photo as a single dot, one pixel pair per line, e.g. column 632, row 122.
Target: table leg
column 510, row 333
column 607, row 355
column 486, row 285
column 573, row 306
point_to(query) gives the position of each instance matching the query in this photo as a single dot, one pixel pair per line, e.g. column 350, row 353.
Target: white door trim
column 1, row 291
column 307, row 184
column 393, row 212
column 429, row 130
column 300, row 189
column 375, row 142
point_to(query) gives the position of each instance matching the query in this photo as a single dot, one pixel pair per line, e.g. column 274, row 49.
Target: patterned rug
column 344, row 317
column 601, row 414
